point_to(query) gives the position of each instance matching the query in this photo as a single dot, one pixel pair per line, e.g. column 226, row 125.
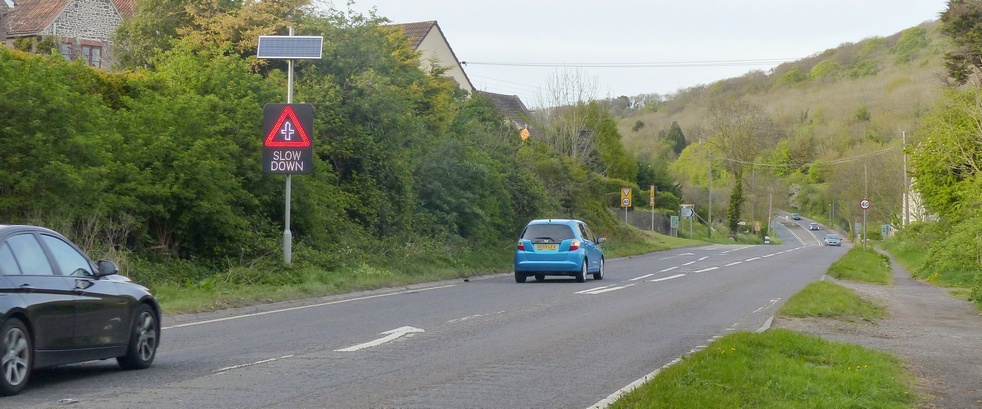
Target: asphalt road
column 483, row 343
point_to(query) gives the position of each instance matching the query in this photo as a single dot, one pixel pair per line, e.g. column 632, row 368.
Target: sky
column 633, row 47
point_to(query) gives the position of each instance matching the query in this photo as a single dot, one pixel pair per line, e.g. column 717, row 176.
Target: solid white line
column 706, row 269
column 229, row 368
column 666, row 278
column 733, row 263
column 634, row 385
column 390, row 335
column 668, row 269
column 642, row 277
column 303, row 307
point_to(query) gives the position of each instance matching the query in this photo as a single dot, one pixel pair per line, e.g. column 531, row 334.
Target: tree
column 740, row 131
column 962, row 23
column 676, row 138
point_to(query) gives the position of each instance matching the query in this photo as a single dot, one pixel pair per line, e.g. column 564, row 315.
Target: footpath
column 938, row 336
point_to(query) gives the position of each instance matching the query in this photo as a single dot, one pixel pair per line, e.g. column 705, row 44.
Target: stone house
column 77, row 28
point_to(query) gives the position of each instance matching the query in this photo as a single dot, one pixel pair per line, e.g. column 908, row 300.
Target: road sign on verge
column 625, row 197
column 864, row 204
column 287, row 138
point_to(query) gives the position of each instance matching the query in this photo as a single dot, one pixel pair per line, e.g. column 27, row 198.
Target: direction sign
column 864, row 204
column 652, row 199
column 287, row 138
column 687, row 212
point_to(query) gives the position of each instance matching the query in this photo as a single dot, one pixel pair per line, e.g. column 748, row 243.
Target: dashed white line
column 752, row 259
column 706, row 269
column 666, row 278
column 229, row 368
column 642, row 277
column 689, row 263
column 668, row 269
column 592, row 290
column 733, row 264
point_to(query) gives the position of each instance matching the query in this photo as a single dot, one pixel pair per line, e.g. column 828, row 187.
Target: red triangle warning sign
column 287, row 132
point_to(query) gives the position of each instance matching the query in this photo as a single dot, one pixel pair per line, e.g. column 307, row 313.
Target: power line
column 664, row 64
column 830, row 162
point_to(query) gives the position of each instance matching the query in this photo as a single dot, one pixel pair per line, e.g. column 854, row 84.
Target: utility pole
column 906, row 185
column 709, row 223
column 770, row 202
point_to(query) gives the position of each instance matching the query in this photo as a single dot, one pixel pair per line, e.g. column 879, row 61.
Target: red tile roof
column 125, row 7
column 31, row 16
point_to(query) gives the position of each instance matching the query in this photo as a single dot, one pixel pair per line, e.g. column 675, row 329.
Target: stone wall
column 87, row 19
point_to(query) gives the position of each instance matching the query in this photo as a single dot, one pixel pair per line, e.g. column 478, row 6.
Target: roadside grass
column 862, row 265
column 776, row 369
column 826, row 299
column 781, row 368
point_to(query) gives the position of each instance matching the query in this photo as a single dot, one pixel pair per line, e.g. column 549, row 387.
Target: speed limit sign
column 864, row 204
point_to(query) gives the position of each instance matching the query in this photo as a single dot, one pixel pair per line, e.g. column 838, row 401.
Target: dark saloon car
column 562, row 247
column 57, row 307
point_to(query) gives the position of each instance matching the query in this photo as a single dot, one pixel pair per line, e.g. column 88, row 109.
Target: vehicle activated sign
column 287, row 136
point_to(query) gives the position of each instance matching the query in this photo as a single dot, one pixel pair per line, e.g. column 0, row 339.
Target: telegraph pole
column 906, row 185
column 709, row 224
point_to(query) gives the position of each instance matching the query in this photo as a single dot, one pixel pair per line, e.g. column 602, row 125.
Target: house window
column 93, row 55
column 66, row 50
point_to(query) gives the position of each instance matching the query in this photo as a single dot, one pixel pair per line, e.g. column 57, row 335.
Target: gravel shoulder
column 938, row 337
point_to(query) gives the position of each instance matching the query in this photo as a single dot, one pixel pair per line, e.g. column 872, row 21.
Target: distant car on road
column 795, row 216
column 833, row 239
column 564, row 247
column 812, row 226
column 57, row 307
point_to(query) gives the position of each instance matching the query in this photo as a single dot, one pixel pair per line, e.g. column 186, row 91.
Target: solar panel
column 290, row 47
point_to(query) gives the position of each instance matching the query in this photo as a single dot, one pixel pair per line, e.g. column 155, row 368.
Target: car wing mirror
column 601, row 239
column 107, row 268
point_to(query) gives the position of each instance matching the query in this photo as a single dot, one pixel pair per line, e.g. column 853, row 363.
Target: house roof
column 416, row 31
column 32, row 16
column 125, row 7
column 510, row 106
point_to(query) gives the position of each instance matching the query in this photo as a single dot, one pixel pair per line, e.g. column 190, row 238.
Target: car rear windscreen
column 554, row 232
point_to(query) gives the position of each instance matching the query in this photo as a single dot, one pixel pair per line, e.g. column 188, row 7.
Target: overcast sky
column 678, row 43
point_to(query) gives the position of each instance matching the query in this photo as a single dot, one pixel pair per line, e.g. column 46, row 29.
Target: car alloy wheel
column 581, row 276
column 143, row 340
column 599, row 275
column 15, row 361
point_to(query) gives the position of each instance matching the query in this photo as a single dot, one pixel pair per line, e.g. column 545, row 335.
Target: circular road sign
column 864, row 204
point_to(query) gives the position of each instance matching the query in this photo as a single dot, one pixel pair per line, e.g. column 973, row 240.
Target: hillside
column 856, row 99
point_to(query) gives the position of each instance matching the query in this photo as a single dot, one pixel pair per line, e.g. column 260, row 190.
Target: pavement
column 937, row 335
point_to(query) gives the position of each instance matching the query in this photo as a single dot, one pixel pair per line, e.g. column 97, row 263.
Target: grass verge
column 826, row 299
column 862, row 265
column 776, row 369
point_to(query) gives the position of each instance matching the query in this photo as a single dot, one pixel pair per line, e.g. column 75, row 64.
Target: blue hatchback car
column 563, row 247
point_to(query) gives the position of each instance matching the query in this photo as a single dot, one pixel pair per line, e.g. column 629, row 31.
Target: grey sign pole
column 289, row 48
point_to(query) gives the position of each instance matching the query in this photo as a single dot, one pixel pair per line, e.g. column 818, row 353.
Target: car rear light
column 575, row 245
column 521, row 245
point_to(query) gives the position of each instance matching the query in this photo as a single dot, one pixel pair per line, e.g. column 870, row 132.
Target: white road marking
column 642, row 277
column 706, row 269
column 769, row 255
column 592, row 289
column 390, row 336
column 229, row 368
column 689, row 263
column 668, row 269
column 771, row 304
column 733, row 264
column 602, row 290
column 701, row 259
column 472, row 317
column 752, row 259
column 634, row 385
column 666, row 278
column 303, row 307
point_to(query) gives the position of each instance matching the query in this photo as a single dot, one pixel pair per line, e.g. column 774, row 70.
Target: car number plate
column 547, row 247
